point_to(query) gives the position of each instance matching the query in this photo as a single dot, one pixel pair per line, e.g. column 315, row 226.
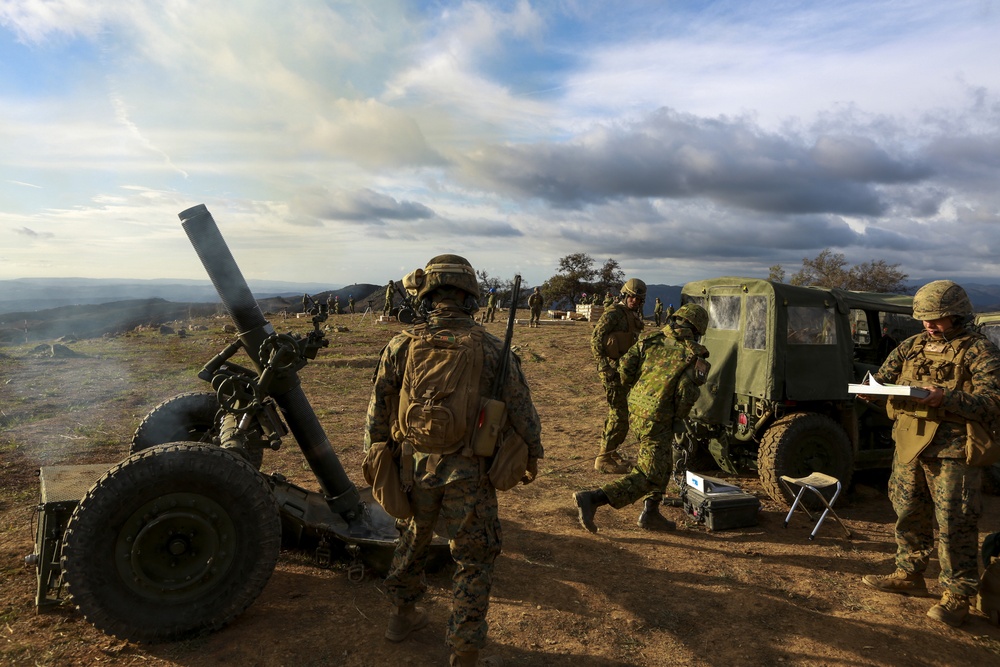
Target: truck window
column 992, row 331
column 755, row 330
column 724, row 312
column 811, row 325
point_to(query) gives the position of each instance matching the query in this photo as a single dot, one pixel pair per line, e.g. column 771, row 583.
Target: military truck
column 989, row 325
column 776, row 399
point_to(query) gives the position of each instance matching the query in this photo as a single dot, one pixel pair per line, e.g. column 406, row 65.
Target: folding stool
column 816, row 482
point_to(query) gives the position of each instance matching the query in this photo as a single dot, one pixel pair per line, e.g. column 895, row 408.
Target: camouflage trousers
column 946, row 490
column 536, row 315
column 652, row 470
column 468, row 510
column 616, row 423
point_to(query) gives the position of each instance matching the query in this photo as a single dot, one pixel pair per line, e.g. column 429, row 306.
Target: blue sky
column 345, row 141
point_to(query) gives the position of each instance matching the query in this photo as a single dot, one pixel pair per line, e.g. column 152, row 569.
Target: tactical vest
column 617, row 343
column 652, row 396
column 439, row 398
column 929, row 363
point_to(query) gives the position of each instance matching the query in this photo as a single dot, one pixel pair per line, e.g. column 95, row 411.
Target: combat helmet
column 440, row 271
column 634, row 287
column 694, row 315
column 941, row 298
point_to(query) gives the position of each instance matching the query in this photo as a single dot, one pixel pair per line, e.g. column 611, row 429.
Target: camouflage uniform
column 659, row 375
column 452, row 488
column 350, row 303
column 491, row 308
column 387, row 308
column 608, row 300
column 618, row 318
column 658, row 312
column 535, row 305
column 937, row 483
column 336, row 305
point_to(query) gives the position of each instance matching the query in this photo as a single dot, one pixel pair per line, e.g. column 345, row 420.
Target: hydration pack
column 439, row 400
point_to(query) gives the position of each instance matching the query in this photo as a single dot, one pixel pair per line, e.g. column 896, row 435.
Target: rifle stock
column 493, row 411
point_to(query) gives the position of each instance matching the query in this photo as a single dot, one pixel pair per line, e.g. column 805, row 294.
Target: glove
column 531, row 472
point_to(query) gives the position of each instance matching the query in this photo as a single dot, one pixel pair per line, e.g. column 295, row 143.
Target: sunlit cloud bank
column 350, row 141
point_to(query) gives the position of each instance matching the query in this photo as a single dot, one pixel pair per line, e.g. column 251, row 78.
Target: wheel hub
column 175, row 547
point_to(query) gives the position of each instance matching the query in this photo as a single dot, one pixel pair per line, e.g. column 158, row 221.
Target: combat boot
column 651, row 519
column 610, row 463
column 899, row 581
column 404, row 620
column 952, row 609
column 587, row 503
column 472, row 659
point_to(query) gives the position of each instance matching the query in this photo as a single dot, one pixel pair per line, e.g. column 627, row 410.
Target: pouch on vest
column 381, row 470
column 492, row 414
column 439, row 397
column 912, row 435
column 510, row 462
column 981, row 446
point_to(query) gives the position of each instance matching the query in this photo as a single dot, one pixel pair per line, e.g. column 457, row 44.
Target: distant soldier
column 389, row 293
column 305, row 303
column 336, row 305
column 670, row 310
column 535, row 305
column 329, row 303
column 658, row 311
column 491, row 306
column 350, row 303
column 584, row 299
column 616, row 331
column 608, row 300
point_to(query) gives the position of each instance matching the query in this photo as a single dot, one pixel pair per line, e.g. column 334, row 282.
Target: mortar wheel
column 799, row 444
column 189, row 417
column 173, row 542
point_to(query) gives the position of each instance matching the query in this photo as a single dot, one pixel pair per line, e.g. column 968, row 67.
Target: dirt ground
column 758, row 596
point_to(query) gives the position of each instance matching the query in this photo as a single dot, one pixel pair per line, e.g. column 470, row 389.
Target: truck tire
column 799, row 444
column 188, row 417
column 173, row 542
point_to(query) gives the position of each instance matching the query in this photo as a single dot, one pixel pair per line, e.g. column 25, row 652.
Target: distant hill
column 31, row 294
column 98, row 319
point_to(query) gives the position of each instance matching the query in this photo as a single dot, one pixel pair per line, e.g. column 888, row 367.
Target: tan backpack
column 439, row 400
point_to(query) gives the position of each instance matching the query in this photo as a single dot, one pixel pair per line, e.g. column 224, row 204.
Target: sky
column 343, row 141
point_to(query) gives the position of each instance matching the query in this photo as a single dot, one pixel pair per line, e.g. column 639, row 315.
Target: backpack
column 439, row 399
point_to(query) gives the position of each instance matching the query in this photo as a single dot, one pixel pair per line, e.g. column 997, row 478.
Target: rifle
column 492, row 410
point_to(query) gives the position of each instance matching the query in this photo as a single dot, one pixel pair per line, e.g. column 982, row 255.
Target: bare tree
column 877, row 276
column 776, row 273
column 830, row 269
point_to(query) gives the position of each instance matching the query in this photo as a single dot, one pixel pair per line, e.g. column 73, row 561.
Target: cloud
column 364, row 205
column 679, row 156
column 31, row 233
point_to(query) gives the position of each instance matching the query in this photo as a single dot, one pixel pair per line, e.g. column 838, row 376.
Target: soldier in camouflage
column 616, row 331
column 350, row 303
column 389, row 293
column 658, row 312
column 931, row 479
column 454, row 488
column 662, row 375
column 535, row 306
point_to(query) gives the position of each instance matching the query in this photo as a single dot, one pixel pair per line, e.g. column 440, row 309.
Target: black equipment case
column 722, row 511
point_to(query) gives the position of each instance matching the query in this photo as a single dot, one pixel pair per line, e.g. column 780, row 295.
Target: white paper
column 870, row 386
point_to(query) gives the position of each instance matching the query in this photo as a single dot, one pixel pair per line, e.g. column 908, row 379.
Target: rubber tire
column 799, row 444
column 119, row 543
column 188, row 417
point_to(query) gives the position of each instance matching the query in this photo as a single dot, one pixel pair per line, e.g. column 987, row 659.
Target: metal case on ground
column 62, row 488
column 722, row 511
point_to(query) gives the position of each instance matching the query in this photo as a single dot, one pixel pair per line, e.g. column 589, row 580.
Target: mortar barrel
column 245, row 312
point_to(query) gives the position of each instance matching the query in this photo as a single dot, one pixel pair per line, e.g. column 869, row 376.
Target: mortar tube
column 201, row 229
